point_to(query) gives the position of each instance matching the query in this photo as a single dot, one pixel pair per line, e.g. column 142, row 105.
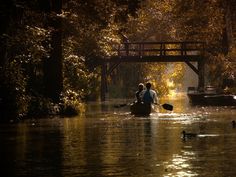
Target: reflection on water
column 107, row 141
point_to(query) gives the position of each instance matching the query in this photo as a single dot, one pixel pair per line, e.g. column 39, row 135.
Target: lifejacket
column 147, row 98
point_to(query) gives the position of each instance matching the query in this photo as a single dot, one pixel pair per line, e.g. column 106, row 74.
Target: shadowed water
column 108, row 141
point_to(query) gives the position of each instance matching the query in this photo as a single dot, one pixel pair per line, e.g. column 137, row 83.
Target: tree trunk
column 230, row 24
column 227, row 36
column 6, row 9
column 53, row 65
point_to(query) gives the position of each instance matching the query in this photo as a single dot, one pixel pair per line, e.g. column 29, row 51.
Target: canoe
column 211, row 98
column 140, row 109
column 221, row 100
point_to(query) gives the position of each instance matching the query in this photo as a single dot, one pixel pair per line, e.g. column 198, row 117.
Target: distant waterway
column 106, row 141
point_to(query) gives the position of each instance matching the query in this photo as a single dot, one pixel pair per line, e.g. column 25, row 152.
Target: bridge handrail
column 161, row 48
column 166, row 42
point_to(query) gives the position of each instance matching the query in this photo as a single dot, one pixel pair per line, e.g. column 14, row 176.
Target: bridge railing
column 160, row 48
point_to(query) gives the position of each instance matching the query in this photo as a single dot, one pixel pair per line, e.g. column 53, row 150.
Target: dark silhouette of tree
column 53, row 80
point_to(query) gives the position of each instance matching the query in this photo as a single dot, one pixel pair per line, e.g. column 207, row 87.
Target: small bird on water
column 233, row 124
column 188, row 135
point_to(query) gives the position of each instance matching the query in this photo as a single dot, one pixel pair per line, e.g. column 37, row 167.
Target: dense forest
column 50, row 50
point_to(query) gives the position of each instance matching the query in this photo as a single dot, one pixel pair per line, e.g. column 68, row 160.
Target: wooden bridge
column 188, row 52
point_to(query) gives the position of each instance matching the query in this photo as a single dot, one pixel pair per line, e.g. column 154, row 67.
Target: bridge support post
column 201, row 74
column 103, row 81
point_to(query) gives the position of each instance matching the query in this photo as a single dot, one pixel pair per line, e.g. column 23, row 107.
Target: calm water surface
column 107, row 141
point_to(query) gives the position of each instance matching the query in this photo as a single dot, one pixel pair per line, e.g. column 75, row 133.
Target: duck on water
column 188, row 135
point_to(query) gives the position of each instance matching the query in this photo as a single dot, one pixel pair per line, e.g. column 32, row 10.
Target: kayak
column 140, row 109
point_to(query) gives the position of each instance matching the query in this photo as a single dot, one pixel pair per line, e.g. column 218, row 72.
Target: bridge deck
column 170, row 58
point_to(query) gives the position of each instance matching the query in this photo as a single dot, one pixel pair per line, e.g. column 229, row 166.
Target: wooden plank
column 192, row 67
column 114, row 66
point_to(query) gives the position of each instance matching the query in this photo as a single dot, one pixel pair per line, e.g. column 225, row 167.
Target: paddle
column 122, row 105
column 166, row 106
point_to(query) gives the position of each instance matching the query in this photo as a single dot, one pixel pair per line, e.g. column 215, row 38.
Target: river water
column 108, row 141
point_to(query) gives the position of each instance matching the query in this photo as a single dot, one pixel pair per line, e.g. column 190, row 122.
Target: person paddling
column 138, row 93
column 149, row 96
